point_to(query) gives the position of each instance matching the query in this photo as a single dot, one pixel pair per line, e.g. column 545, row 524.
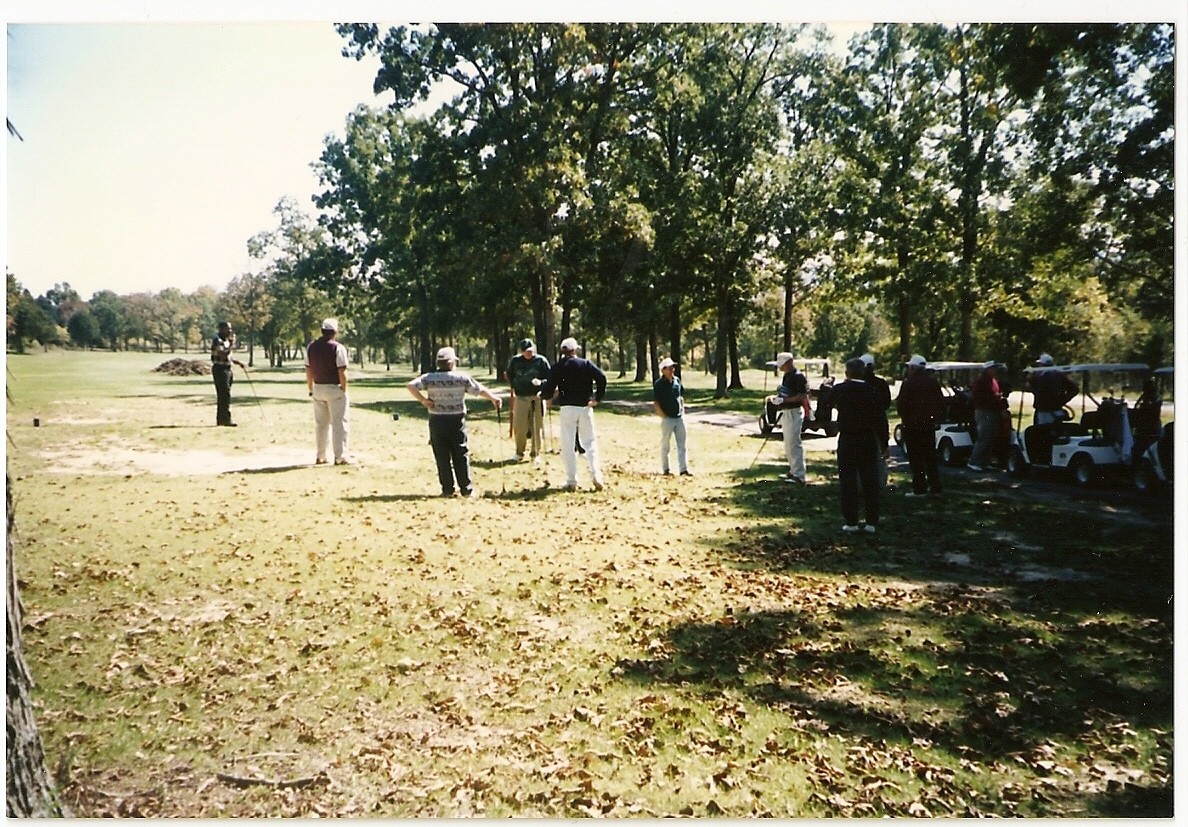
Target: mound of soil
column 184, row 367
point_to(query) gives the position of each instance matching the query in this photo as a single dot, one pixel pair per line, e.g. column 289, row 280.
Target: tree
column 30, row 792
column 108, row 310
column 247, row 304
column 84, row 329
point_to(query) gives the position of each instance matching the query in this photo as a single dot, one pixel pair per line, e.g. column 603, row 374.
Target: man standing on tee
column 858, row 427
column 576, row 385
column 221, row 361
column 527, row 413
column 443, row 393
column 668, row 402
column 326, row 376
column 882, row 392
column 790, row 399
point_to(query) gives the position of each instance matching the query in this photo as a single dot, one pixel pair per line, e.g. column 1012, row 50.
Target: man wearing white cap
column 920, row 405
column 668, row 401
column 443, row 393
column 576, row 385
column 883, row 396
column 326, row 363
column 790, row 399
column 1052, row 389
column 989, row 409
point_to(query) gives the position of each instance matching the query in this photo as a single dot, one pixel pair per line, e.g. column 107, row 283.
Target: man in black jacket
column 576, row 385
column 859, row 417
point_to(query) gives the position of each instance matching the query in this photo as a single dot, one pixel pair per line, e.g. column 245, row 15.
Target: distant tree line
column 717, row 193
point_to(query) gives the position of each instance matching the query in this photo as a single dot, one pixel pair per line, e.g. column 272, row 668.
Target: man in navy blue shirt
column 576, row 385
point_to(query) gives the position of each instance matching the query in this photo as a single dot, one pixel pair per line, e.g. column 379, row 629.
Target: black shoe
column 227, row 425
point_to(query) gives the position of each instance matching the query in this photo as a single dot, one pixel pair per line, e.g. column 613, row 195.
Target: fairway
column 216, row 627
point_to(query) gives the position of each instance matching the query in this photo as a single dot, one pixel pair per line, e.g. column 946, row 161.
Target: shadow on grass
column 276, row 469
column 981, row 679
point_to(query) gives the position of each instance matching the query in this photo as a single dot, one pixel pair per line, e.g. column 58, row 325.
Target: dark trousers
column 447, row 436
column 920, row 443
column 857, row 471
column 222, row 381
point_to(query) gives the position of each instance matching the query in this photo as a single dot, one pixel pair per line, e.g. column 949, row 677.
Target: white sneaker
column 851, row 529
column 974, row 467
column 869, row 529
column 914, row 494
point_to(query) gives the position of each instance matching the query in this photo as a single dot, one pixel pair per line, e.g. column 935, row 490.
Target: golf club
column 502, row 464
column 257, row 398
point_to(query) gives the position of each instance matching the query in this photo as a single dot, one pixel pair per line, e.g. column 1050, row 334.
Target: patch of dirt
column 132, row 460
column 184, row 367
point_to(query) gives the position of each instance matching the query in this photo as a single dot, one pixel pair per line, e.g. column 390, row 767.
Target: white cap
column 917, row 361
column 569, row 344
column 782, row 359
column 1044, row 361
column 330, row 324
column 446, row 354
column 666, row 363
column 867, row 359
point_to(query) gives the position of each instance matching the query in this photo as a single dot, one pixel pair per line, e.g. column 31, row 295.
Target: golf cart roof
column 954, row 365
column 804, row 362
column 1167, row 370
column 1103, row 367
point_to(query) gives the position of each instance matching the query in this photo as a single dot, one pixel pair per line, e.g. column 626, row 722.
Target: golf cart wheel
column 948, row 453
column 1016, row 464
column 765, row 427
column 897, row 434
column 831, row 429
column 1145, row 478
column 1084, row 472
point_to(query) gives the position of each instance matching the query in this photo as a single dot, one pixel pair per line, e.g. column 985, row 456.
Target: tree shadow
column 982, row 679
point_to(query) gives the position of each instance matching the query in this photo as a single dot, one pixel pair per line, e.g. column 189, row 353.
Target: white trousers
column 791, row 420
column 579, row 422
column 670, row 426
column 331, row 416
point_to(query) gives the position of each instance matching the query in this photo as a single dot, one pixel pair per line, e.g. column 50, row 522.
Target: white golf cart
column 823, row 418
column 1101, row 443
column 1153, row 465
column 956, row 433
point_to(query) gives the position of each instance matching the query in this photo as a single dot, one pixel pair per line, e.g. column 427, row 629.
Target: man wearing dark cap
column 326, row 363
column 221, row 360
column 527, row 410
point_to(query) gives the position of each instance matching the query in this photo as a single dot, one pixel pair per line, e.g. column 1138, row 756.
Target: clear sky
column 159, row 134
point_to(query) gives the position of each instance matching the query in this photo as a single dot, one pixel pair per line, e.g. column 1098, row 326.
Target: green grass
column 709, row 646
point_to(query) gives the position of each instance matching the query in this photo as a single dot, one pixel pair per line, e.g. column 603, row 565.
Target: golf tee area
column 216, row 627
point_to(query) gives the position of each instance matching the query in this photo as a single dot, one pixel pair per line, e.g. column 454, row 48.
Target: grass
column 276, row 639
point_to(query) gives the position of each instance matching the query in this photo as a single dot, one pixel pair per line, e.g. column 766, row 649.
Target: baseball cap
column 1044, row 361
column 782, row 359
column 446, row 354
column 527, row 344
column 867, row 359
column 666, row 363
column 917, row 361
column 569, row 343
column 330, row 324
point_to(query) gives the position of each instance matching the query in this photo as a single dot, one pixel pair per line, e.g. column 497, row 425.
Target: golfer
column 883, row 395
column 791, row 398
column 576, row 386
column 858, row 426
column 326, row 377
column 920, row 405
column 443, row 393
column 527, row 410
column 221, row 361
column 668, row 401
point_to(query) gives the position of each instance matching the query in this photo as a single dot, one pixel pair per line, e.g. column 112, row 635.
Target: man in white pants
column 576, row 386
column 326, row 376
column 791, row 398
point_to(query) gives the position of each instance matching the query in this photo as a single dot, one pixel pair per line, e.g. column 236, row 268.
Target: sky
column 159, row 135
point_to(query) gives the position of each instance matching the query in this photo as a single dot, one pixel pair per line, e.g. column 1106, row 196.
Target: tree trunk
column 30, row 791
column 641, row 357
column 720, row 344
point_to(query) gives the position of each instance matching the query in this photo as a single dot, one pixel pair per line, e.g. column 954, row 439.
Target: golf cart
column 823, row 418
column 1100, row 443
column 1153, row 441
column 956, row 433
